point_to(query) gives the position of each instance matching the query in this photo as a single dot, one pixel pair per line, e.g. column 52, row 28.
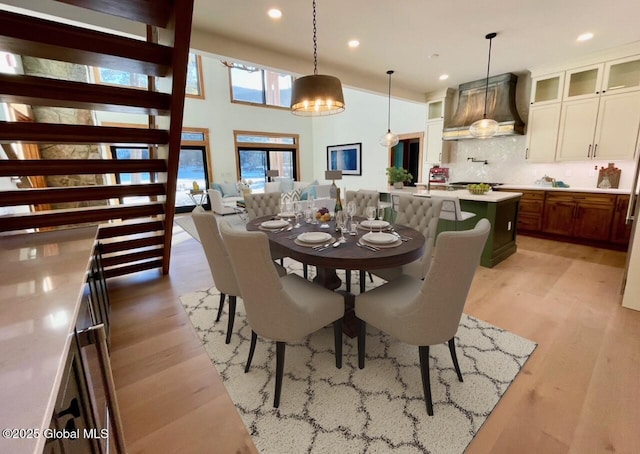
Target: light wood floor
column 578, row 393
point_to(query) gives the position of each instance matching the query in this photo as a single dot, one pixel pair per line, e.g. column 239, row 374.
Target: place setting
column 380, row 240
column 315, row 240
column 275, row 225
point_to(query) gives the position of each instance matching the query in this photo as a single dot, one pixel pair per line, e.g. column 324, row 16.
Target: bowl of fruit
column 478, row 189
column 323, row 215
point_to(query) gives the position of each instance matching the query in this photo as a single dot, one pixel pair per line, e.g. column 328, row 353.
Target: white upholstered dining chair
column 258, row 205
column 218, row 260
column 283, row 309
column 451, row 210
column 426, row 312
column 421, row 214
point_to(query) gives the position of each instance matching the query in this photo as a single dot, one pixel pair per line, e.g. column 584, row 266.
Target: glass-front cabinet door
column 546, row 89
column 622, row 75
column 583, row 82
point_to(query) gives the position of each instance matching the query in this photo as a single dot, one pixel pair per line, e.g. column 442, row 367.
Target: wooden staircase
column 133, row 236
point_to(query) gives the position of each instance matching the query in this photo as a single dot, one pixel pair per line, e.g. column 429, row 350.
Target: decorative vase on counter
column 398, row 185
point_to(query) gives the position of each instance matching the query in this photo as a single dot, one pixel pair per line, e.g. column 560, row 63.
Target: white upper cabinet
column 437, row 150
column 622, row 75
column 587, row 112
column 542, row 132
column 547, row 89
column 617, row 128
column 599, row 128
column 577, row 126
column 583, row 82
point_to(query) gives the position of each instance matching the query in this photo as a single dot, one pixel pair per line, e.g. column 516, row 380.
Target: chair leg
column 280, row 346
column 347, row 277
column 232, row 316
column 424, row 370
column 362, row 334
column 454, row 357
column 222, row 297
column 337, row 337
column 370, row 277
column 362, row 281
column 252, row 349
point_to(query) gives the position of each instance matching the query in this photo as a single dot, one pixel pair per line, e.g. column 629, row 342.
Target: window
column 259, row 86
column 259, row 152
column 193, row 89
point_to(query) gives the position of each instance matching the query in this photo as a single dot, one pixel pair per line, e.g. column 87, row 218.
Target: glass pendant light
column 487, row 127
column 389, row 139
column 316, row 94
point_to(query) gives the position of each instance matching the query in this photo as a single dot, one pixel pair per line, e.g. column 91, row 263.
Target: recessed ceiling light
column 444, row 77
column 354, row 43
column 585, row 37
column 433, row 56
column 274, row 13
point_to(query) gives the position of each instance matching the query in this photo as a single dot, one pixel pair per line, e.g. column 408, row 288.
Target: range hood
column 501, row 106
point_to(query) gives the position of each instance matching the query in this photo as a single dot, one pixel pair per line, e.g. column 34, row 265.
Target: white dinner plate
column 314, row 237
column 379, row 238
column 287, row 214
column 275, row 224
column 375, row 224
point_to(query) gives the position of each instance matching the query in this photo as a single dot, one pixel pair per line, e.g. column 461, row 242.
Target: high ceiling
column 404, row 35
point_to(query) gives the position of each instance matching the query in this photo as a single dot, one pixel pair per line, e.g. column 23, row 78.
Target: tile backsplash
column 506, row 163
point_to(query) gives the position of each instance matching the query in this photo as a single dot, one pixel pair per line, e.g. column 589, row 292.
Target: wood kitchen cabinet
column 586, row 216
column 530, row 210
column 620, row 230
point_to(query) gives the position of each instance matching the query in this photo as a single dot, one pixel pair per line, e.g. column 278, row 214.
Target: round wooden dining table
column 347, row 256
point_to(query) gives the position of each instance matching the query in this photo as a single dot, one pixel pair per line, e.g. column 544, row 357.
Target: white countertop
column 462, row 194
column 43, row 275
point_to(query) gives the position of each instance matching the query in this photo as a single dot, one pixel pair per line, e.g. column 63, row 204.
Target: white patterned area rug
column 375, row 410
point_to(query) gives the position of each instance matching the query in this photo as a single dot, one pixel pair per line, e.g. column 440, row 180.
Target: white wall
column 365, row 120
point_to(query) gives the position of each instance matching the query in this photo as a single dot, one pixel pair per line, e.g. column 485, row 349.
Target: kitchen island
column 500, row 208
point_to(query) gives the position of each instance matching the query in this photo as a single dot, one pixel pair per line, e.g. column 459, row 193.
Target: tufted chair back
column 363, row 199
column 259, row 205
column 422, row 214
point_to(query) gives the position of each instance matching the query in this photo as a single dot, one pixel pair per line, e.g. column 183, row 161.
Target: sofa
column 222, row 205
column 320, row 192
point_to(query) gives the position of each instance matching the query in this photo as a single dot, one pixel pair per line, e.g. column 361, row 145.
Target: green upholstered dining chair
column 426, row 312
column 283, row 309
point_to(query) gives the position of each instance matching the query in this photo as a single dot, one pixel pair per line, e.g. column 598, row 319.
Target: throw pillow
column 229, row 190
column 287, row 200
column 309, row 191
column 217, row 187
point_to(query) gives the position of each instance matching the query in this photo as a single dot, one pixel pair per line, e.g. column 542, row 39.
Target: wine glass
column 380, row 212
column 297, row 212
column 352, row 209
column 341, row 222
column 370, row 212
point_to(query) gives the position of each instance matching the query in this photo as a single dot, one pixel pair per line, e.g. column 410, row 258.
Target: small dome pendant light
column 487, row 127
column 389, row 139
column 317, row 94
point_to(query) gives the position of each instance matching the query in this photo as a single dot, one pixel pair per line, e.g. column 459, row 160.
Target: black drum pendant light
column 389, row 139
column 487, row 127
column 317, row 94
